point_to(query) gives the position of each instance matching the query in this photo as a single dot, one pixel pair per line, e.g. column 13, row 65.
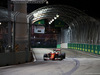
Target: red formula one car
column 55, row 55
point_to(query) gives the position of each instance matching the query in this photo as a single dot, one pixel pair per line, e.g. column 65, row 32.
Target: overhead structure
column 66, row 13
column 78, row 23
column 30, row 1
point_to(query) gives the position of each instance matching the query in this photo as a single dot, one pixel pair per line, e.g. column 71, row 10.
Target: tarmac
column 75, row 63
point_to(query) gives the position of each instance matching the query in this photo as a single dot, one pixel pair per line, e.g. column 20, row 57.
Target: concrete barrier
column 64, row 45
column 15, row 58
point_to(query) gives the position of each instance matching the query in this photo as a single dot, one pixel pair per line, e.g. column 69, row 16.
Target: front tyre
column 44, row 57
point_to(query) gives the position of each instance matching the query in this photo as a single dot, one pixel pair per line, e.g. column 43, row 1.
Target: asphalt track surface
column 76, row 63
column 74, row 68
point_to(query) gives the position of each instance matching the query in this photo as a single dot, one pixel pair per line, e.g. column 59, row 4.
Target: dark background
column 90, row 7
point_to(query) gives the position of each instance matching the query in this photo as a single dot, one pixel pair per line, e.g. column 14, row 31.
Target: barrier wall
column 64, row 45
column 15, row 58
column 85, row 47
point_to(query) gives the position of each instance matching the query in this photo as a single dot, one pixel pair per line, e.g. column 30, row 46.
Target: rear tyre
column 63, row 55
column 60, row 56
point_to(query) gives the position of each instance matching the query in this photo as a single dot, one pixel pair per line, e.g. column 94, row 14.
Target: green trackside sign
column 40, row 22
column 59, row 23
column 58, row 46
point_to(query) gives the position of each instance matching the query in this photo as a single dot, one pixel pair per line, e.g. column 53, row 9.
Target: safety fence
column 85, row 47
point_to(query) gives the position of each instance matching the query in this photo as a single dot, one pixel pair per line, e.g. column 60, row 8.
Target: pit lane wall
column 81, row 47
